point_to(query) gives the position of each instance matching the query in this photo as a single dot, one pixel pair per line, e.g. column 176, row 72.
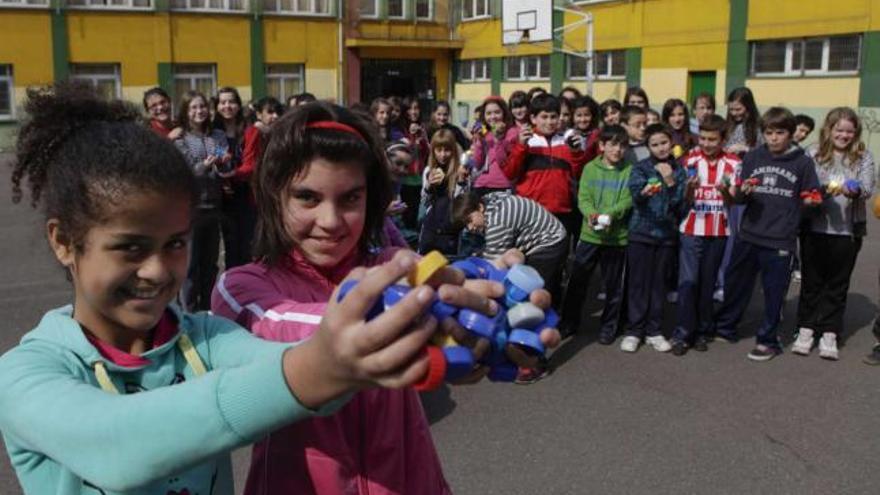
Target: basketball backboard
column 526, row 21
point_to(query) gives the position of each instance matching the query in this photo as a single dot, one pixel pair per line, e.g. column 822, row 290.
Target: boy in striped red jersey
column 704, row 231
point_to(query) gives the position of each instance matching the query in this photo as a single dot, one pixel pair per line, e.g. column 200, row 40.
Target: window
column 103, row 77
column 532, row 68
column 211, row 5
column 396, row 9
column 423, row 9
column 284, row 80
column 475, row 9
column 111, row 4
column 473, row 70
column 368, row 8
column 606, row 65
column 198, row 77
column 807, row 56
column 302, row 7
column 6, row 93
column 22, row 3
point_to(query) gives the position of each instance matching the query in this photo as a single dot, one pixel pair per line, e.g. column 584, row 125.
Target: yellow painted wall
column 473, row 91
column 26, row 43
column 795, row 18
column 602, row 89
column 408, row 30
column 510, row 87
column 482, row 39
column 314, row 43
column 221, row 40
column 806, row 92
column 662, row 84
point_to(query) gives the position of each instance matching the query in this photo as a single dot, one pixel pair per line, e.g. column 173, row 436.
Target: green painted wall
column 258, row 57
column 496, row 71
column 165, row 77
column 557, row 58
column 633, row 66
column 60, row 48
column 737, row 46
column 869, row 84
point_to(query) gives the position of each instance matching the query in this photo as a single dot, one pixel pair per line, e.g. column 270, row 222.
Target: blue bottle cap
column 346, row 287
column 459, row 362
column 503, row 372
column 692, row 171
column 551, row 320
column 527, row 340
column 393, row 294
column 525, row 278
column 471, row 270
column 441, row 310
column 525, row 315
column 476, row 323
column 489, row 271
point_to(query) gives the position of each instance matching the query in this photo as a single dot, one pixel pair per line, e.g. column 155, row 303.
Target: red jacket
column 544, row 170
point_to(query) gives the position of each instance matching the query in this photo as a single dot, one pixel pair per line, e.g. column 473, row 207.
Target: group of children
column 671, row 208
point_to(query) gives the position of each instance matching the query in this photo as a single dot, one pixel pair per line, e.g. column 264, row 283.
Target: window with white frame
column 530, row 68
column 807, row 56
column 111, row 4
column 4, row 3
column 610, row 64
column 7, row 93
column 424, row 9
column 396, row 9
column 285, row 80
column 208, row 5
column 368, row 8
column 196, row 77
column 104, row 78
column 475, row 9
column 473, row 70
column 301, row 7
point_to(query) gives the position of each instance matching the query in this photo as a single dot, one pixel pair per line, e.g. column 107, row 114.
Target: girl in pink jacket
column 322, row 190
column 491, row 146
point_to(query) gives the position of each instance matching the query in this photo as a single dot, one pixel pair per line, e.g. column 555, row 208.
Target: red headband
column 336, row 126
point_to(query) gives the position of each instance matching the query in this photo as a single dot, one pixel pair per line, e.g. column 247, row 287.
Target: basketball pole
column 586, row 18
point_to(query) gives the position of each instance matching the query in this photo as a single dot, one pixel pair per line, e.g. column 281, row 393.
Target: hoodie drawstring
column 186, row 348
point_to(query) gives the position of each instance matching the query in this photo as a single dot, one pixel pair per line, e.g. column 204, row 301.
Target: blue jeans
column 646, row 266
column 746, row 262
column 698, row 261
column 734, row 216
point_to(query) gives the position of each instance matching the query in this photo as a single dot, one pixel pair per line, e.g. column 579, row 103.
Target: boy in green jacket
column 605, row 202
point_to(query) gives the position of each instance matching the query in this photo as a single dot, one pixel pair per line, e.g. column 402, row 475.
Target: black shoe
column 763, row 353
column 679, row 348
column 606, row 339
column 726, row 338
column 873, row 359
column 701, row 344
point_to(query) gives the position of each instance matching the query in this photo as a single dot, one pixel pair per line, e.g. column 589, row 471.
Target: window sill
column 282, row 13
column 24, row 6
column 830, row 75
column 110, row 8
column 477, row 18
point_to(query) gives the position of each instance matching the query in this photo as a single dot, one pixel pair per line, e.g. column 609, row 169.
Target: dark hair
column 239, row 117
column 81, row 154
column 714, row 123
column 535, row 91
column 657, row 129
column 462, row 207
column 590, row 104
column 404, row 111
column 271, row 102
column 614, row 133
column 709, row 97
column 655, row 113
column 572, row 89
column 518, row 99
column 636, row 91
column 745, row 97
column 505, row 112
column 609, row 104
column 778, row 118
column 183, row 110
column 304, row 98
column 155, row 91
column 290, row 149
column 291, row 99
column 544, row 102
column 630, row 110
column 670, row 106
column 806, row 120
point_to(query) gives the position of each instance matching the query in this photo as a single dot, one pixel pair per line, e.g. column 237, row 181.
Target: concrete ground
column 605, row 421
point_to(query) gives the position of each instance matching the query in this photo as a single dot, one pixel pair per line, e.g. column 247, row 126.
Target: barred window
column 285, row 80
column 807, row 56
column 105, row 78
column 473, row 70
column 609, row 64
column 6, row 93
column 528, row 68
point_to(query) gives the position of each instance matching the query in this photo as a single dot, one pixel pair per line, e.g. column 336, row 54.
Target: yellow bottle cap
column 426, row 268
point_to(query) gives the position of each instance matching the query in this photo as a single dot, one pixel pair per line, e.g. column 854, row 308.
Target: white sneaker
column 718, row 296
column 796, row 276
column 630, row 344
column 672, row 297
column 828, row 346
column 601, row 296
column 804, row 342
column 659, row 343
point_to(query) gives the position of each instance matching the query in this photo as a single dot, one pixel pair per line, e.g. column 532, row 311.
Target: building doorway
column 402, row 78
column 700, row 82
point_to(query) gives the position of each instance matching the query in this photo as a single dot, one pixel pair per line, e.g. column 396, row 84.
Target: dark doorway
column 388, row 77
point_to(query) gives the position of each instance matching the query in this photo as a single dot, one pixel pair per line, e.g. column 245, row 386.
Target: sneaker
column 679, row 348
column 606, row 339
column 718, row 295
column 762, row 352
column 601, row 296
column 630, row 344
column 701, row 344
column 873, row 359
column 527, row 376
column 659, row 343
column 796, row 276
column 828, row 346
column 672, row 297
column 725, row 338
column 804, row 343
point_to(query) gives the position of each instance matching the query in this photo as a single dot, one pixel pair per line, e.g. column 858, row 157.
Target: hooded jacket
column 655, row 218
column 379, row 444
column 169, row 432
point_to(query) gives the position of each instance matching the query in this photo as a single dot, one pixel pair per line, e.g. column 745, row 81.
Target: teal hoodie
column 65, row 435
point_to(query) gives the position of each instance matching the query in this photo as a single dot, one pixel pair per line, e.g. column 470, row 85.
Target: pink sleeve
column 247, row 296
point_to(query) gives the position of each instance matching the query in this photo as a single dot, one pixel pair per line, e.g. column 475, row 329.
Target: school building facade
column 809, row 55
